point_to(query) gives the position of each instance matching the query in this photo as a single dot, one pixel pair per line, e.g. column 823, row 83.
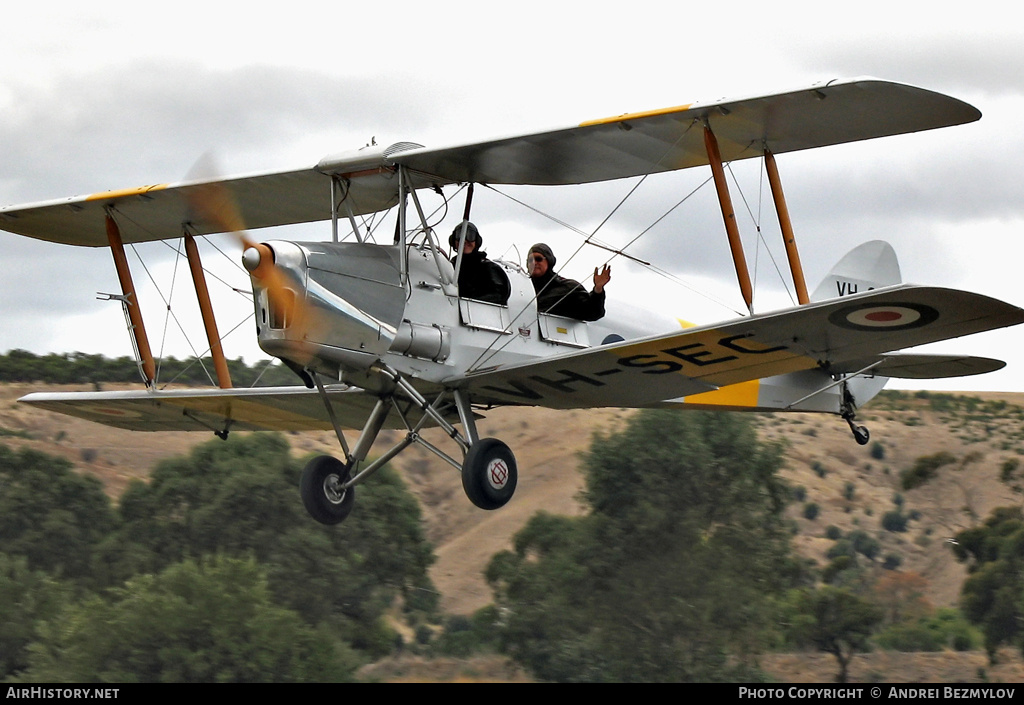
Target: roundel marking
column 873, row 317
column 497, row 473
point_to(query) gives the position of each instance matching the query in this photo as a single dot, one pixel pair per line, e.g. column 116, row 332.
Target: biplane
column 380, row 337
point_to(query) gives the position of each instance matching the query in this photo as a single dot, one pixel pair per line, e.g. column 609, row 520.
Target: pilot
column 479, row 278
column 561, row 296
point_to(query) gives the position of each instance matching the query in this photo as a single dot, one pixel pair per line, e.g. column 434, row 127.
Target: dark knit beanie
column 542, row 249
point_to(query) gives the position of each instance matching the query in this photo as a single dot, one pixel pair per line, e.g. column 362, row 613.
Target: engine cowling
column 347, row 309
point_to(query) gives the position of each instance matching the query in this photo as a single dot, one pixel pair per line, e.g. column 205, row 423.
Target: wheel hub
column 497, row 473
column 334, row 489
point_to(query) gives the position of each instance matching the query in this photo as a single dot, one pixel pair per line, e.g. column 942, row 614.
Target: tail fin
column 872, row 265
column 865, row 267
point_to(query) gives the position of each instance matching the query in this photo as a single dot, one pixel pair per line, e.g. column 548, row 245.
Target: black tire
column 861, row 435
column 489, row 474
column 318, row 487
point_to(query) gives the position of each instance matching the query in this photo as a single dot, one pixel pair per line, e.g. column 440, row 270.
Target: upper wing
column 160, row 212
column 627, row 145
column 823, row 114
column 835, row 335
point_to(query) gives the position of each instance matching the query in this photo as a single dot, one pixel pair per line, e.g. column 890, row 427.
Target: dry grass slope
column 853, row 487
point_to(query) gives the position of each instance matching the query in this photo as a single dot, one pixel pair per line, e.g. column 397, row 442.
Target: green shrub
column 843, row 547
column 924, row 469
column 849, row 490
column 865, row 544
column 894, row 521
column 946, row 629
column 892, row 561
column 1008, row 469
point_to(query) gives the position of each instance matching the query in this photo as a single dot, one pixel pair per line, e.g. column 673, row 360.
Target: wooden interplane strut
column 220, row 363
column 131, row 300
column 729, row 216
column 786, row 225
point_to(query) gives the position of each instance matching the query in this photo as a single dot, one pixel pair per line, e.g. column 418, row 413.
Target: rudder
column 872, row 265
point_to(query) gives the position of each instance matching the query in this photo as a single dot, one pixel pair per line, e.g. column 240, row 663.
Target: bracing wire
column 760, row 234
column 167, row 313
column 171, row 313
column 197, row 357
column 589, row 238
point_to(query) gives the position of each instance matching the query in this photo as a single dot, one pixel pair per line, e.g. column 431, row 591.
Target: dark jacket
column 565, row 297
column 482, row 279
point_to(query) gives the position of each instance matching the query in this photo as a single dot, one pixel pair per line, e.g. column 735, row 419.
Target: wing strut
column 220, row 363
column 462, row 231
column 786, row 225
column 729, row 215
column 131, row 300
column 338, row 185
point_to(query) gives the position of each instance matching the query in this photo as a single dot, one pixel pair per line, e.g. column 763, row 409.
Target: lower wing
column 841, row 335
column 219, row 410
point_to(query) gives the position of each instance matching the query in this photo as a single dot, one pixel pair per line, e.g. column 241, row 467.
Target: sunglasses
column 537, row 258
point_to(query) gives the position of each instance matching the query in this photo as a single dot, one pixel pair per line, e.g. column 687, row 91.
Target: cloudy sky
column 121, row 96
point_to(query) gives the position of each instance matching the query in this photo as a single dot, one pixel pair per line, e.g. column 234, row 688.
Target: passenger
column 479, row 278
column 561, row 296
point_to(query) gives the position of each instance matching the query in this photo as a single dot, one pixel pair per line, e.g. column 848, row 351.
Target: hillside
column 853, row 486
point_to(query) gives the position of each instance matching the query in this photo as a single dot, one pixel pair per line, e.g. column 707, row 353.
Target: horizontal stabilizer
column 912, row 366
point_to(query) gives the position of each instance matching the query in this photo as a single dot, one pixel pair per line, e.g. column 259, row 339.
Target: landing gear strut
column 489, row 472
column 848, row 410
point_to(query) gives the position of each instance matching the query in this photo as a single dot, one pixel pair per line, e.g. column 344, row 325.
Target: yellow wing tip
column 636, row 116
column 137, row 191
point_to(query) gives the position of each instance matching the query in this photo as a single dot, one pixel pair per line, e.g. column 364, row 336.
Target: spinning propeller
column 213, row 203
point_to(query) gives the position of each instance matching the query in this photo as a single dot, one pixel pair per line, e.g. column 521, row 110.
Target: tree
column 239, row 498
column 992, row 597
column 671, row 575
column 902, row 597
column 51, row 515
column 836, row 621
column 78, row 367
column 27, row 598
column 208, row 621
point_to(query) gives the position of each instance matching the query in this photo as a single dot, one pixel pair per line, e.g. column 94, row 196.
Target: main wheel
column 322, row 490
column 489, row 474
